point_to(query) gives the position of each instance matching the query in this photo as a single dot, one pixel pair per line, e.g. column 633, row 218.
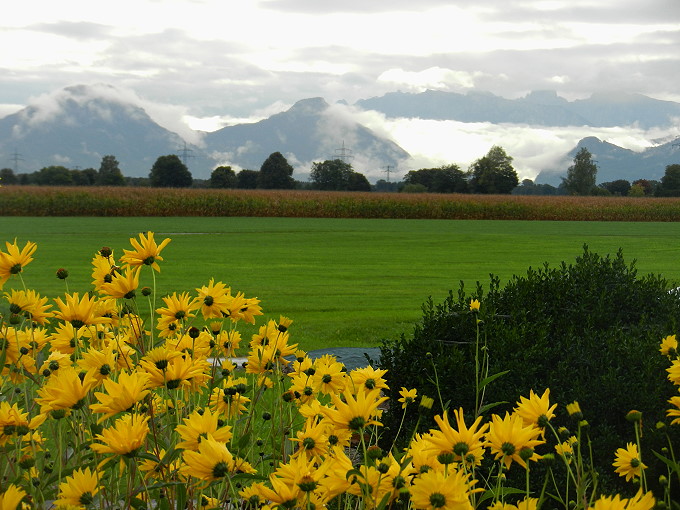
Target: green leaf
column 673, row 465
column 490, row 406
column 501, row 492
column 491, row 378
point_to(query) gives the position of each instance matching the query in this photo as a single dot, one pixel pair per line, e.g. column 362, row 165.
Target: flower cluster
column 104, row 404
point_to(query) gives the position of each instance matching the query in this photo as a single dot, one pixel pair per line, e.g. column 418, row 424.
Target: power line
column 16, row 157
column 343, row 154
column 185, row 154
column 388, row 169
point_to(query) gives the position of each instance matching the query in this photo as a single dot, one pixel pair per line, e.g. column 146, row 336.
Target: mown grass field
column 345, row 282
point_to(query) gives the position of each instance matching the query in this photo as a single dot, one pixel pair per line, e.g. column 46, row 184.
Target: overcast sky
column 209, row 60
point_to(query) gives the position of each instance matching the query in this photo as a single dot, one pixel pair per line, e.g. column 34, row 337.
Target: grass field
column 345, row 282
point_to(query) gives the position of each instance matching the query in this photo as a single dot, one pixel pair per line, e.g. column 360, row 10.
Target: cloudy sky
column 207, row 62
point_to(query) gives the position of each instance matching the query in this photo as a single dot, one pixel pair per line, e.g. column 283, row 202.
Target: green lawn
column 345, row 282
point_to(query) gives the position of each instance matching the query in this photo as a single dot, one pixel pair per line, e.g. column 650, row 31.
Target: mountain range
column 83, row 123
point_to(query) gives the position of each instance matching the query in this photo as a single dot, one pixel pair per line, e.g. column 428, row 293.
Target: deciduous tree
column 109, row 173
column 670, row 182
column 223, row 177
column 169, row 172
column 581, row 176
column 276, row 173
column 445, row 179
column 493, row 173
column 331, row 175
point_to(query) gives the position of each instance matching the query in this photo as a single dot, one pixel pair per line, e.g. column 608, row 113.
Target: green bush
column 589, row 331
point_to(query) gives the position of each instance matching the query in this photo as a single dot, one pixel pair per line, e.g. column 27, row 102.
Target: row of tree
column 491, row 174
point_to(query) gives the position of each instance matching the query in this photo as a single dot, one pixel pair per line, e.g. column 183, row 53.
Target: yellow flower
column 674, row 372
column 214, row 299
column 640, row 501
column 229, row 401
column 13, row 261
column 121, row 395
column 574, row 410
column 79, row 311
column 212, row 461
column 200, row 425
column 355, row 412
column 462, row 445
column 245, row 309
column 312, row 439
column 79, row 489
column 627, row 462
column 228, row 342
column 65, row 390
column 328, row 375
column 536, row 410
column 281, row 494
column 407, row 396
column 474, row 305
column 301, row 471
column 177, row 307
column 435, row 490
column 30, row 304
column 122, row 285
column 178, row 371
column 125, row 437
column 284, row 323
column 102, row 269
column 509, row 439
column 145, row 253
column 101, row 361
column 13, row 422
column 669, row 346
column 674, row 413
column 525, row 504
column 566, row 448
column 11, row 498
column 368, row 377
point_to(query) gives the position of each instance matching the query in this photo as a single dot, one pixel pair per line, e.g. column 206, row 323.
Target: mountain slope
column 542, row 108
column 615, row 162
column 78, row 126
column 309, row 131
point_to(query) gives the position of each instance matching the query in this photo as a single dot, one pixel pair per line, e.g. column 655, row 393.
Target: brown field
column 109, row 201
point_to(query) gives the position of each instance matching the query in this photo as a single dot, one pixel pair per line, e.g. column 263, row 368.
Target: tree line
column 491, row 174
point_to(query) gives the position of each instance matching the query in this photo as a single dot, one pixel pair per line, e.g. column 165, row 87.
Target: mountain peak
column 310, row 105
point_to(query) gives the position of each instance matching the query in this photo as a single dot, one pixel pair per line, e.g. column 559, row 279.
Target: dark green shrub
column 589, row 331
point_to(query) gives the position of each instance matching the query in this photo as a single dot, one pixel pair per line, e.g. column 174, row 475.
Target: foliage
column 493, row 173
column 445, row 179
column 337, row 175
column 106, row 405
column 619, row 187
column 358, row 182
column 8, row 177
column 589, row 331
column 670, row 182
column 223, row 177
column 247, row 179
column 169, row 172
column 581, row 176
column 276, row 173
column 529, row 187
column 109, row 173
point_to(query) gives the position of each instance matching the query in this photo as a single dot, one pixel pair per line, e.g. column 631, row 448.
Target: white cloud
column 431, row 78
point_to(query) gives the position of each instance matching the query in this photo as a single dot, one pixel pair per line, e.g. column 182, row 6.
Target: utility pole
column 16, row 157
column 387, row 171
column 343, row 154
column 185, row 154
